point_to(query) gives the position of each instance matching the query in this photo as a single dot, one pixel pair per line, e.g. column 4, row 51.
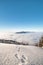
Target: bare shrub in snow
column 41, row 42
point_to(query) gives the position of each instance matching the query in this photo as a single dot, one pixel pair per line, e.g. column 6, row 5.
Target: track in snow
column 20, row 55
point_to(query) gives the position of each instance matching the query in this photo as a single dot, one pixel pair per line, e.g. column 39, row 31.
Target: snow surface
column 11, row 54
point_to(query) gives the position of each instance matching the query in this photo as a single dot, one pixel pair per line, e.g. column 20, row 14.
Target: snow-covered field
column 11, row 54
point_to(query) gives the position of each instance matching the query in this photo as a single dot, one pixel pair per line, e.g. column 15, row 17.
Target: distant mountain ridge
column 23, row 32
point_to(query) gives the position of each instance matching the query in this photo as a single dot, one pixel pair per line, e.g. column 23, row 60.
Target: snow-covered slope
column 20, row 55
column 11, row 54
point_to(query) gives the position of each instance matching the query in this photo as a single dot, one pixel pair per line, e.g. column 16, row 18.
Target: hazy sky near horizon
column 21, row 15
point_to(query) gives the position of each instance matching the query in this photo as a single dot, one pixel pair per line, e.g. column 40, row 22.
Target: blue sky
column 18, row 15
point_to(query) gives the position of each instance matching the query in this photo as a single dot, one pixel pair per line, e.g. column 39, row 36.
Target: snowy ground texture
column 11, row 54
